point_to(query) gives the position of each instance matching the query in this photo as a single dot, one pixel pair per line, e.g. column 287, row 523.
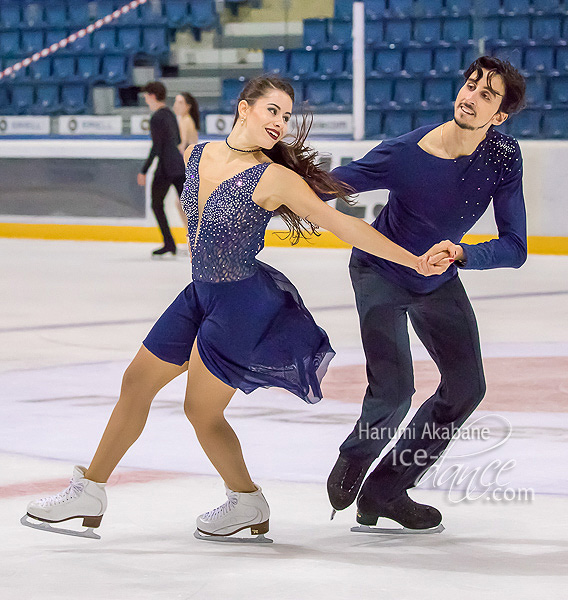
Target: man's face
column 478, row 101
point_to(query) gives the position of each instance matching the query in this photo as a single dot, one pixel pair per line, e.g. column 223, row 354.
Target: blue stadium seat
column 388, row 61
column 541, row 7
column 230, row 90
column 319, row 92
column 104, row 7
column 407, row 92
column 10, row 15
column 73, row 98
column 155, row 40
column 302, row 63
column 88, row 67
column 546, row 29
column 32, row 41
column 536, row 91
column 56, row 14
column 525, row 124
column 298, row 87
column 456, row 31
column 40, row 70
column 152, row 13
column 9, row 43
column 439, row 92
column 487, row 8
column 511, row 54
column 53, row 36
column 468, row 56
column 516, row 7
column 177, row 13
column 4, row 100
column 400, row 8
column 78, row 14
column 129, row 39
column 488, row 28
column 427, row 31
column 104, row 39
column 428, row 117
column 373, row 124
column 22, row 98
column 203, row 14
column 33, row 14
column 339, row 33
column 428, row 8
column 418, row 61
column 562, row 60
column 369, row 63
column 330, row 63
column 378, row 92
column 447, row 60
column 375, row 9
column 21, row 75
column 459, row 8
column 343, row 9
column 374, row 33
column 315, row 32
column 114, row 69
column 397, row 122
column 515, row 29
column 398, row 31
column 539, row 59
column 276, row 61
column 555, row 124
column 343, row 92
column 559, row 91
column 63, row 67
column 47, row 99
column 132, row 17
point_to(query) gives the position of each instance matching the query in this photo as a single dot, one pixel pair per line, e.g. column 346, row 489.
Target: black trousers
column 160, row 186
column 445, row 323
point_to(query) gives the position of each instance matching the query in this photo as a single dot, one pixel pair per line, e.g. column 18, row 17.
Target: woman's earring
column 243, row 121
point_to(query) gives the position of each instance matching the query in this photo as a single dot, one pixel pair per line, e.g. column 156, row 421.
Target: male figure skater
column 441, row 180
column 171, row 169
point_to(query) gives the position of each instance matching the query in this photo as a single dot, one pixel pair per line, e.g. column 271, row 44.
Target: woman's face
column 266, row 120
column 181, row 107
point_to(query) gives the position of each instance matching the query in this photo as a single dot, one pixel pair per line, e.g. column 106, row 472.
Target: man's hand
column 141, row 179
column 438, row 258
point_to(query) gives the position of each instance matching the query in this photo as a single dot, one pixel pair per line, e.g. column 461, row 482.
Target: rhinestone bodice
column 225, row 242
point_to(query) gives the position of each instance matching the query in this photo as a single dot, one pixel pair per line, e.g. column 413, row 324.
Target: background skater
column 441, row 180
column 170, row 169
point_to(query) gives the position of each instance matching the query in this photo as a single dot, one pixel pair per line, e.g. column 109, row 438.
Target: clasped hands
column 440, row 256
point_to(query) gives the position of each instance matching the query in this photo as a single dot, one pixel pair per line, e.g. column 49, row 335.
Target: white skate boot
column 83, row 499
column 241, row 511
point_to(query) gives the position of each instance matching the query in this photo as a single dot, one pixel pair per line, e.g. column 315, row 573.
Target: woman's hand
column 141, row 179
column 436, row 260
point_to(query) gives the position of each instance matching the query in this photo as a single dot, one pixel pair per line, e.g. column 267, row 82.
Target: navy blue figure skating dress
column 251, row 327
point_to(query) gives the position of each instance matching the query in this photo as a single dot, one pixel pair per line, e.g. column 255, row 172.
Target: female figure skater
column 240, row 323
column 187, row 113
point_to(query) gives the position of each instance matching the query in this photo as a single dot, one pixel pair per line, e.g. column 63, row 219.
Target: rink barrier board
column 106, row 233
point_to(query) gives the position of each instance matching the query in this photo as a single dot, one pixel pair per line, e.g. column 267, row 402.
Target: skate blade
column 396, row 531
column 226, row 539
column 43, row 526
column 333, row 512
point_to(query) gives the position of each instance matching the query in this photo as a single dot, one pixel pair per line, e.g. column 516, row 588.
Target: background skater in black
column 170, row 170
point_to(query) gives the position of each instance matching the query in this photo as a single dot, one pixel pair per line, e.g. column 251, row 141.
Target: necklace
column 238, row 149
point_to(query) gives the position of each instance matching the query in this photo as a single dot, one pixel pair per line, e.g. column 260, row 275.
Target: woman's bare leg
column 205, row 401
column 143, row 379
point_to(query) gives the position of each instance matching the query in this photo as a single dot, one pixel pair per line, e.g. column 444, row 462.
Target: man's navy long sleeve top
column 432, row 199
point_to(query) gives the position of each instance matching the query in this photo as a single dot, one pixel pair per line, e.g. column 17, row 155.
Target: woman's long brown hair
column 295, row 155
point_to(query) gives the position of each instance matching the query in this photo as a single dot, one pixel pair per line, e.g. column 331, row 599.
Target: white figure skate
column 83, row 499
column 241, row 511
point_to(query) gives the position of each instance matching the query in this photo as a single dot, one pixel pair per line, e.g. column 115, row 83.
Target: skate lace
column 74, row 489
column 222, row 510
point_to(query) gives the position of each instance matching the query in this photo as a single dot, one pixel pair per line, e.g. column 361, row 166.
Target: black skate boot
column 402, row 509
column 345, row 480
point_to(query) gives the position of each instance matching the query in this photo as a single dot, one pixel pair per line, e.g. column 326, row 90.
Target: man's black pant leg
column 445, row 323
column 160, row 187
column 384, row 331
